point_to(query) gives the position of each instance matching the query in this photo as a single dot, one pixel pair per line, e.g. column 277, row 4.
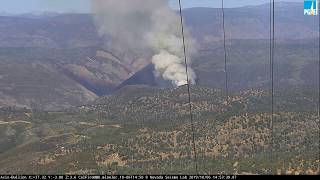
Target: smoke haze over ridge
column 146, row 26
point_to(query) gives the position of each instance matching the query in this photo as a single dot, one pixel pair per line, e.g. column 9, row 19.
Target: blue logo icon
column 311, row 7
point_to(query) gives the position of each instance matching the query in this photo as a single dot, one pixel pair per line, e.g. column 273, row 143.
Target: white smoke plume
column 144, row 25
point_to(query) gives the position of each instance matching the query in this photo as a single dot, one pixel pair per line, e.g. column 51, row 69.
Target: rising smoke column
column 142, row 25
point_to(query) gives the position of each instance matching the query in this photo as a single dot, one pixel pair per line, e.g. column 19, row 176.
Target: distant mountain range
column 77, row 30
column 65, row 54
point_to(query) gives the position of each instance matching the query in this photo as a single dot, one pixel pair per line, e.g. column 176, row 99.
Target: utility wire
column 318, row 13
column 189, row 94
column 225, row 54
column 272, row 32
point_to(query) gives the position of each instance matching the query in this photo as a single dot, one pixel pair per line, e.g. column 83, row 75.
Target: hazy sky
column 25, row 6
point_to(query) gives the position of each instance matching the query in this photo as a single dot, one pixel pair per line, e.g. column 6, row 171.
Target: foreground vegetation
column 132, row 132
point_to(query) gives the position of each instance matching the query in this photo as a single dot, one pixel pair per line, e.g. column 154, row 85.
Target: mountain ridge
column 70, row 46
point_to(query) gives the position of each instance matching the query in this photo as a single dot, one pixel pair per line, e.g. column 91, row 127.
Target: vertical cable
column 273, row 35
column 272, row 14
column 270, row 63
column 318, row 14
column 188, row 85
column 270, row 79
column 225, row 54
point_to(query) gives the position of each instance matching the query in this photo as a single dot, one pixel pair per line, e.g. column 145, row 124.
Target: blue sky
column 78, row 6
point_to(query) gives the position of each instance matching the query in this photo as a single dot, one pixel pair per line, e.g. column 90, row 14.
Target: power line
column 188, row 85
column 318, row 13
column 272, row 14
column 225, row 54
